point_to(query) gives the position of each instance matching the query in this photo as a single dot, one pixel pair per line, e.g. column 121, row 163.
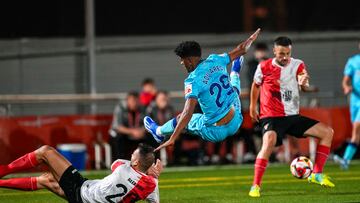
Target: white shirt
column 279, row 93
column 124, row 184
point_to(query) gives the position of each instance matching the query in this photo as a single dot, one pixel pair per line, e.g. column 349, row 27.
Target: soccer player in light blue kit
column 351, row 84
column 209, row 85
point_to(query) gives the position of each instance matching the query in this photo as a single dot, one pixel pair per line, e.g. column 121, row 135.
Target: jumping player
column 351, row 84
column 277, row 80
column 209, row 85
column 128, row 181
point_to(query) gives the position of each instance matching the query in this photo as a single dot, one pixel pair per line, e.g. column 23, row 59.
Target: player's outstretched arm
column 244, row 46
column 155, row 171
column 182, row 122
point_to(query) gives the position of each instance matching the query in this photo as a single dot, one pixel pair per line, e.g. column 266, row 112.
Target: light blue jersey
column 210, row 84
column 216, row 93
column 352, row 69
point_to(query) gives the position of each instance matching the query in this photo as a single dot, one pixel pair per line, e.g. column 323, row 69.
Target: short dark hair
column 162, row 92
column 283, row 41
column 188, row 49
column 261, row 46
column 147, row 156
column 148, row 81
column 133, row 94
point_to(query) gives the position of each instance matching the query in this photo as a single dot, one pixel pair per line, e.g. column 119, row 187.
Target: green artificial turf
column 229, row 184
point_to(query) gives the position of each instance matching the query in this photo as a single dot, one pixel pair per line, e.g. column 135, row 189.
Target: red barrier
column 20, row 135
column 336, row 117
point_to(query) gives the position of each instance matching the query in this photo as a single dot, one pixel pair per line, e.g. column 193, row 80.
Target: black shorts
column 71, row 182
column 295, row 125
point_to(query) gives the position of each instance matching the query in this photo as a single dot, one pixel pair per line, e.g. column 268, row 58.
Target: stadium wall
column 50, row 66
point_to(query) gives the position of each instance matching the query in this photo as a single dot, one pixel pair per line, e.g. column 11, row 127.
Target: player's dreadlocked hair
column 188, row 49
column 282, row 41
column 147, row 157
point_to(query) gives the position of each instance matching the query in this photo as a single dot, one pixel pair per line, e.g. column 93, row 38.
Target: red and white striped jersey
column 279, row 91
column 124, row 184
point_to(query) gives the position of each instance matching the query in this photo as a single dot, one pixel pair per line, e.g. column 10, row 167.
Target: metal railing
column 10, row 102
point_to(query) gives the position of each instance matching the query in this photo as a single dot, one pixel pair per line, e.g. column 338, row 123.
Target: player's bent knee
column 331, row 132
column 45, row 148
column 48, row 181
column 328, row 132
column 43, row 151
column 44, row 180
column 269, row 139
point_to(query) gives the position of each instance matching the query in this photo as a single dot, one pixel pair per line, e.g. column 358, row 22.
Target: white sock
column 158, row 132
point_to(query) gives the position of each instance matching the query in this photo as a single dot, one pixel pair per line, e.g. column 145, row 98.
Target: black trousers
column 122, row 147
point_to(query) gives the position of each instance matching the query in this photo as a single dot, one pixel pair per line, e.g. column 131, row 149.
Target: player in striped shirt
column 129, row 181
column 277, row 81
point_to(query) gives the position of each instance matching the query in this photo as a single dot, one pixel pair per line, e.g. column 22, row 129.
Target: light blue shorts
column 355, row 113
column 212, row 133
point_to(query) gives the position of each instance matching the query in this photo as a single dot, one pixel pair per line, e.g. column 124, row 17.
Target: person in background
column 351, row 85
column 127, row 129
column 261, row 53
column 161, row 109
column 217, row 157
column 148, row 92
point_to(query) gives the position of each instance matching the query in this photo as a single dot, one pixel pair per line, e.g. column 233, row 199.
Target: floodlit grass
column 230, row 184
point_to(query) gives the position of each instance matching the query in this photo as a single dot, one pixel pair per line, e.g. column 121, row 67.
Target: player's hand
column 155, row 169
column 303, row 79
column 137, row 133
column 245, row 46
column 254, row 114
column 347, row 89
column 170, row 142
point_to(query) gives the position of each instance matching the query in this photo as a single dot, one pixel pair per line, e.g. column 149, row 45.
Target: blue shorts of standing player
column 351, row 85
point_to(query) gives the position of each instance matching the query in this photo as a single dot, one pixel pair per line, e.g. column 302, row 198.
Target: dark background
column 65, row 18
